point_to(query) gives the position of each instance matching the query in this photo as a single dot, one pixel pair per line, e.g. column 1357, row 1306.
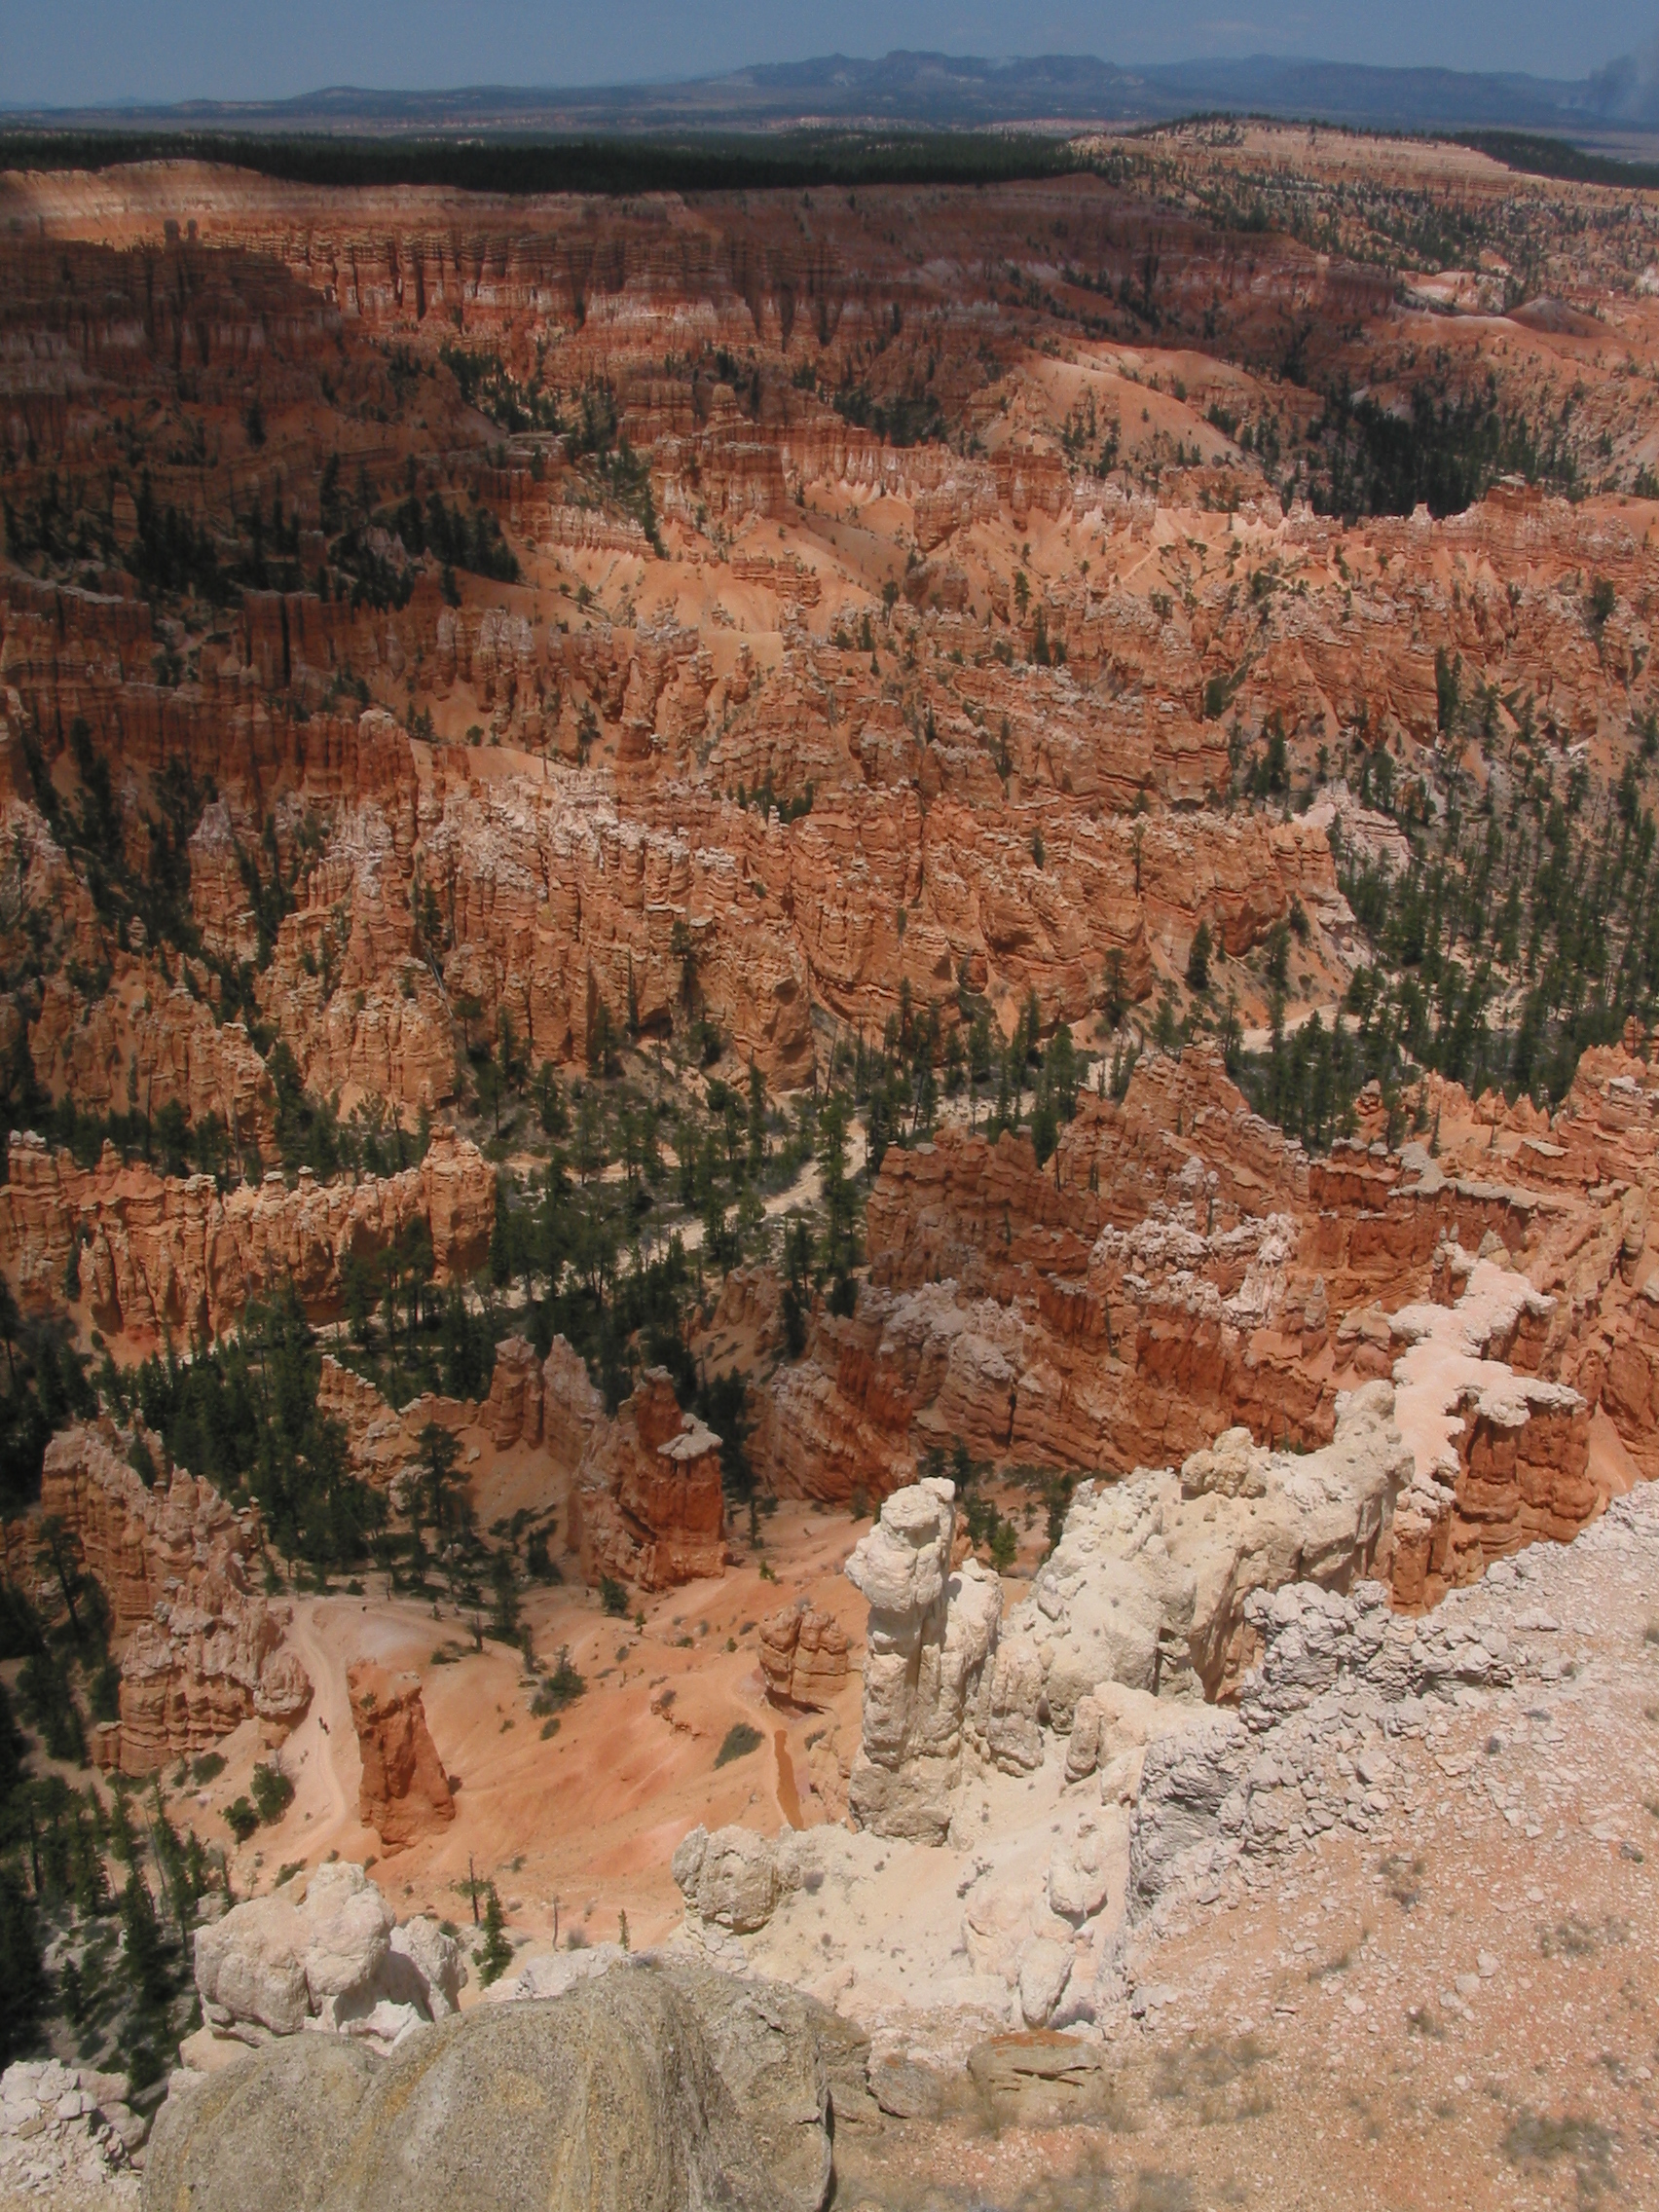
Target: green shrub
column 740, row 1740
column 273, row 1793
column 561, row 1687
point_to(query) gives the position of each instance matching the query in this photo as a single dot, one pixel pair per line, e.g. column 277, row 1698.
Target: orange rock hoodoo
column 929, row 782
column 404, row 1793
column 803, row 1655
column 550, row 1402
column 512, row 1412
column 648, row 1506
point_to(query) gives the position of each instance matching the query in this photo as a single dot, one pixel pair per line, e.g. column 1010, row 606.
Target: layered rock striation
column 203, row 1652
column 155, row 1253
column 403, row 1792
column 803, row 1655
column 1179, row 1267
column 647, row 1505
column 1502, row 1456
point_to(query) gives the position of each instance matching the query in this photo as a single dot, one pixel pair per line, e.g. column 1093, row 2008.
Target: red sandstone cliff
column 166, row 1253
column 201, row 1652
column 646, row 1505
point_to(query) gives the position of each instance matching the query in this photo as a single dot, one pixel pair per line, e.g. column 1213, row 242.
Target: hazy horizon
column 107, row 52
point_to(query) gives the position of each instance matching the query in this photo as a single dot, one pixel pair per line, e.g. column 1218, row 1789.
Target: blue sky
column 70, row 51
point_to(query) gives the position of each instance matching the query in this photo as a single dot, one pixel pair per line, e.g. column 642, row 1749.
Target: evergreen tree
column 1198, row 959
column 496, row 1954
column 439, row 1452
column 25, row 1988
column 143, row 1953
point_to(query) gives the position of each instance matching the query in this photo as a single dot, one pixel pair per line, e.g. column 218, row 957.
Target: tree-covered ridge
column 99, row 1891
column 1517, row 935
column 692, row 162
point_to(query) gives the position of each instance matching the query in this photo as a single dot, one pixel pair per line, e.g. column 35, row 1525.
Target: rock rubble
column 65, row 2134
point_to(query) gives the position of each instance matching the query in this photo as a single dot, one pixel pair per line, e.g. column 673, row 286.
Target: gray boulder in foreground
column 649, row 2090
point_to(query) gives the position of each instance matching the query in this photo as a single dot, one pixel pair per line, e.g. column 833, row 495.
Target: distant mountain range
column 940, row 90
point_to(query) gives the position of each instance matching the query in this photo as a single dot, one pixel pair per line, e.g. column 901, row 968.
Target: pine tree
column 496, row 1954
column 500, row 1238
column 23, row 1969
column 143, row 1956
column 1198, row 959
